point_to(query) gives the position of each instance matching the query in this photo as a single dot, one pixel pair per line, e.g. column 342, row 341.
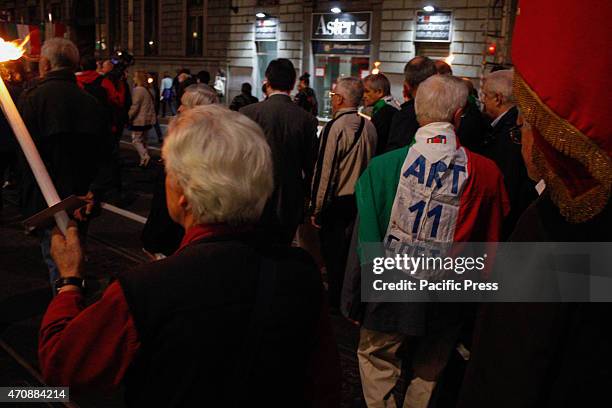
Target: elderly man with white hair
column 502, row 144
column 226, row 309
column 348, row 142
column 66, row 125
column 432, row 192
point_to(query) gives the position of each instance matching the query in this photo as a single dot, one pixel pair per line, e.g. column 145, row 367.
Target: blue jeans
column 45, row 247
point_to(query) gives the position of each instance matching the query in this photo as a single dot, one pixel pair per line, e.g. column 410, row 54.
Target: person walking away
column 119, row 99
column 306, row 97
column 67, row 128
column 13, row 78
column 468, row 202
column 291, row 133
column 348, row 142
column 167, row 95
column 151, row 79
column 377, row 95
column 141, row 115
column 245, row 98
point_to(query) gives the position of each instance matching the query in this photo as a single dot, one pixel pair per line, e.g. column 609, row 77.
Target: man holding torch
column 64, row 122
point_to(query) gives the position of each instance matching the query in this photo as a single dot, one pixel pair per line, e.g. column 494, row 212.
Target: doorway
column 328, row 68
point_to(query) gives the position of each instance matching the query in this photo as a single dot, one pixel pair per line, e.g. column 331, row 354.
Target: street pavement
column 113, row 244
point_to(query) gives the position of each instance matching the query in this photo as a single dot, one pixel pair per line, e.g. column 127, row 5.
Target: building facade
column 235, row 39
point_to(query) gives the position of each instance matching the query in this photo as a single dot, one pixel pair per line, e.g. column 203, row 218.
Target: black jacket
column 202, row 342
column 291, row 134
column 499, row 147
column 543, row 354
column 68, row 130
column 382, row 121
column 242, row 100
column 404, row 126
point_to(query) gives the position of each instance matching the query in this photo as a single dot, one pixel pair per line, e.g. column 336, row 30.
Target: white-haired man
column 227, row 308
column 502, row 144
column 348, row 142
column 66, row 125
column 431, row 192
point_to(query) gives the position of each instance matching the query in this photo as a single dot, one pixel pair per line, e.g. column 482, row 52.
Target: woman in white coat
column 142, row 115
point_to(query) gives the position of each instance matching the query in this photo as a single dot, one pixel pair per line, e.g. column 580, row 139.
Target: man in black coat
column 291, row 134
column 66, row 125
column 404, row 124
column 377, row 94
column 502, row 144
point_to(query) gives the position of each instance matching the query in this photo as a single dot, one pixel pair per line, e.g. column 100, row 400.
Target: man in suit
column 291, row 134
column 404, row 124
column 502, row 144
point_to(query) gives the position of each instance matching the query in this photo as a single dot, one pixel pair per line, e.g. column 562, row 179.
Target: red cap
column 563, row 85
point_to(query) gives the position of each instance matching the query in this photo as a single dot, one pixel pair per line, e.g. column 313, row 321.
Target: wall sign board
column 434, row 27
column 340, row 48
column 342, row 27
column 266, row 29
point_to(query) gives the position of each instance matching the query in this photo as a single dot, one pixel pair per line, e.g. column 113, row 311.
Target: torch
column 12, row 51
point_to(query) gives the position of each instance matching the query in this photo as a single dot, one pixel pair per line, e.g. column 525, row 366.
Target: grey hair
column 222, row 162
column 500, row 83
column 439, row 97
column 351, row 89
column 379, row 82
column 199, row 94
column 61, row 53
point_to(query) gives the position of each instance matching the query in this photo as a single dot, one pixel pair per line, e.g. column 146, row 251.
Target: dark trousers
column 337, row 221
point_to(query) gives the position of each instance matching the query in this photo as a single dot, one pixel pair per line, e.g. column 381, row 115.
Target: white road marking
column 125, row 213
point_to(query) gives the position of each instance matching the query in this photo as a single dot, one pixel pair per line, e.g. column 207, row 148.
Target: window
column 34, row 15
column 114, row 24
column 266, row 52
column 195, row 28
column 56, row 12
column 151, row 32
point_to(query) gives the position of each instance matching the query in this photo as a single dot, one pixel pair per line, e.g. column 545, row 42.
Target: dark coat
column 404, row 126
column 499, row 147
column 307, row 100
column 546, row 355
column 291, row 134
column 209, row 325
column 242, row 100
column 67, row 128
column 382, row 121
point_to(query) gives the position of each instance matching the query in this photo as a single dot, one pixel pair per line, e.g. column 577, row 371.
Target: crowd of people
column 258, row 225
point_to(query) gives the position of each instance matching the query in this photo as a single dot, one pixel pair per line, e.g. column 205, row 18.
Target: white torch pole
column 31, row 153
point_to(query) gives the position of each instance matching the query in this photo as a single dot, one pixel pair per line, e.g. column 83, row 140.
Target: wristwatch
column 73, row 280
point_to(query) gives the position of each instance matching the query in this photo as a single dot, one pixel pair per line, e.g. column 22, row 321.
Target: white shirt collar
column 497, row 119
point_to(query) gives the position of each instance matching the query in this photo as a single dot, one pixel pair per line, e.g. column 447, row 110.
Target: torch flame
column 12, row 50
column 449, row 60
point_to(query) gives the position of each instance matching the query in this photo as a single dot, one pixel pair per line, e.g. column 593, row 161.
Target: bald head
column 443, row 68
column 416, row 71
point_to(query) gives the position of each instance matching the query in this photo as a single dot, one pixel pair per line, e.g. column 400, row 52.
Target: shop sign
column 341, row 48
column 341, row 27
column 433, row 27
column 266, row 29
